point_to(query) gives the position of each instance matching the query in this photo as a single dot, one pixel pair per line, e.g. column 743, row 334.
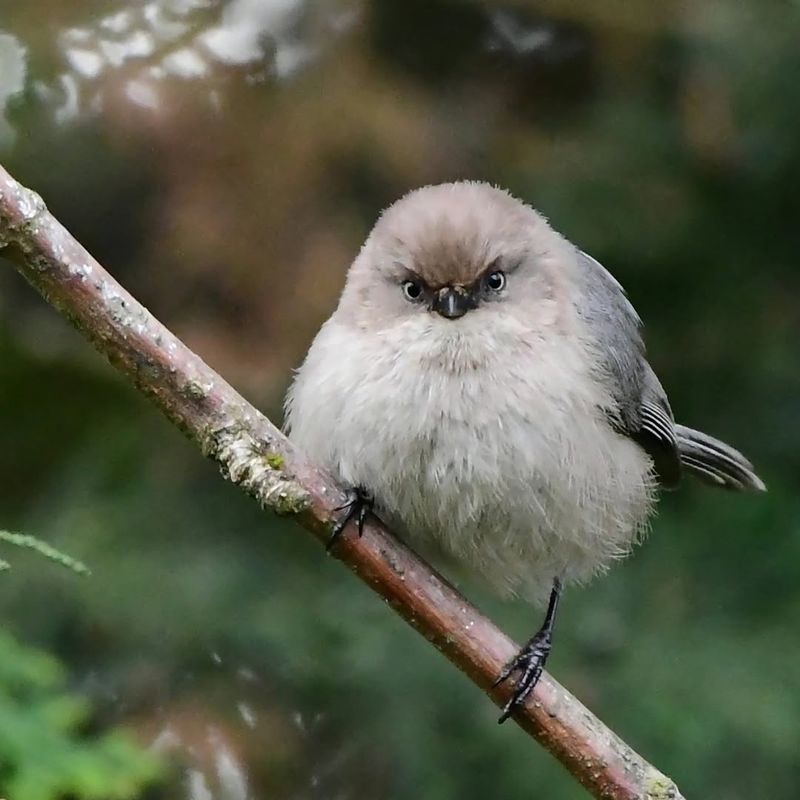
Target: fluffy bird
column 483, row 384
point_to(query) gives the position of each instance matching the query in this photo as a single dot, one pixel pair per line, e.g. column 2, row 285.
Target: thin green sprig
column 48, row 551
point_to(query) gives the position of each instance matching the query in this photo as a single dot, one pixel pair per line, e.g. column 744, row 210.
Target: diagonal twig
column 253, row 453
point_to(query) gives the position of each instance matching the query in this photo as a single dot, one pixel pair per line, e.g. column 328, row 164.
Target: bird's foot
column 529, row 663
column 358, row 507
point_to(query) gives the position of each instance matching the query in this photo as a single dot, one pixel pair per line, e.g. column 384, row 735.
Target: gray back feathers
column 642, row 409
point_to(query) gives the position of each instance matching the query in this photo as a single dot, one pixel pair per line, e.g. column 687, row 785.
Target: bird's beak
column 452, row 302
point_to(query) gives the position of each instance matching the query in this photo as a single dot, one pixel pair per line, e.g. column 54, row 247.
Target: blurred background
column 225, row 160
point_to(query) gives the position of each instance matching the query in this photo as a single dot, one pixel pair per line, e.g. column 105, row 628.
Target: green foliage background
column 663, row 138
column 42, row 751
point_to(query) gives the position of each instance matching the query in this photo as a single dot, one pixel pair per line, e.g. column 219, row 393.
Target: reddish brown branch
column 254, row 454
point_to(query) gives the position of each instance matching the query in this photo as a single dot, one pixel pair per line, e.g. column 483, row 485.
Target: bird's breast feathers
column 494, row 446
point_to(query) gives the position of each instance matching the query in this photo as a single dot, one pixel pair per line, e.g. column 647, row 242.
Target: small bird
column 483, row 385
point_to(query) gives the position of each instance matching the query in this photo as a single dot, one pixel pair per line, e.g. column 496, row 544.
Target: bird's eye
column 412, row 290
column 496, row 281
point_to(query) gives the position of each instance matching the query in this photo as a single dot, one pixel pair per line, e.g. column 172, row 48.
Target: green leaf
column 44, row 752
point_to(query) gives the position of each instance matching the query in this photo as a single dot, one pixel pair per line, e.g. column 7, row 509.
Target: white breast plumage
column 520, row 475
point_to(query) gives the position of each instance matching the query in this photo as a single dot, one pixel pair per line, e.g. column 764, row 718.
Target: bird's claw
column 529, row 662
column 358, row 507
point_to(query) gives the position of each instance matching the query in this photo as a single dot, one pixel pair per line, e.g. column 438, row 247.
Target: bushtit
column 484, row 383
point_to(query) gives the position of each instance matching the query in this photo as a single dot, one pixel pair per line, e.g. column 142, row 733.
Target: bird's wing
column 642, row 410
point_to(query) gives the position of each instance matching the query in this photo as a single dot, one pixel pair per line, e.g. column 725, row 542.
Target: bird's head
column 453, row 258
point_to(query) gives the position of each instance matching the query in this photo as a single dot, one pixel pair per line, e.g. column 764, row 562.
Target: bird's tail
column 715, row 462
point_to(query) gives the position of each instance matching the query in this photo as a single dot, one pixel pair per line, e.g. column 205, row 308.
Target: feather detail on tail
column 715, row 462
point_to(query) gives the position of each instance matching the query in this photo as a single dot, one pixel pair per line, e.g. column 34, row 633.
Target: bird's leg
column 530, row 661
column 358, row 506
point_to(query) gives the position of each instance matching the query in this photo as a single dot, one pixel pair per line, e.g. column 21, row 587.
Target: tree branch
column 253, row 453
